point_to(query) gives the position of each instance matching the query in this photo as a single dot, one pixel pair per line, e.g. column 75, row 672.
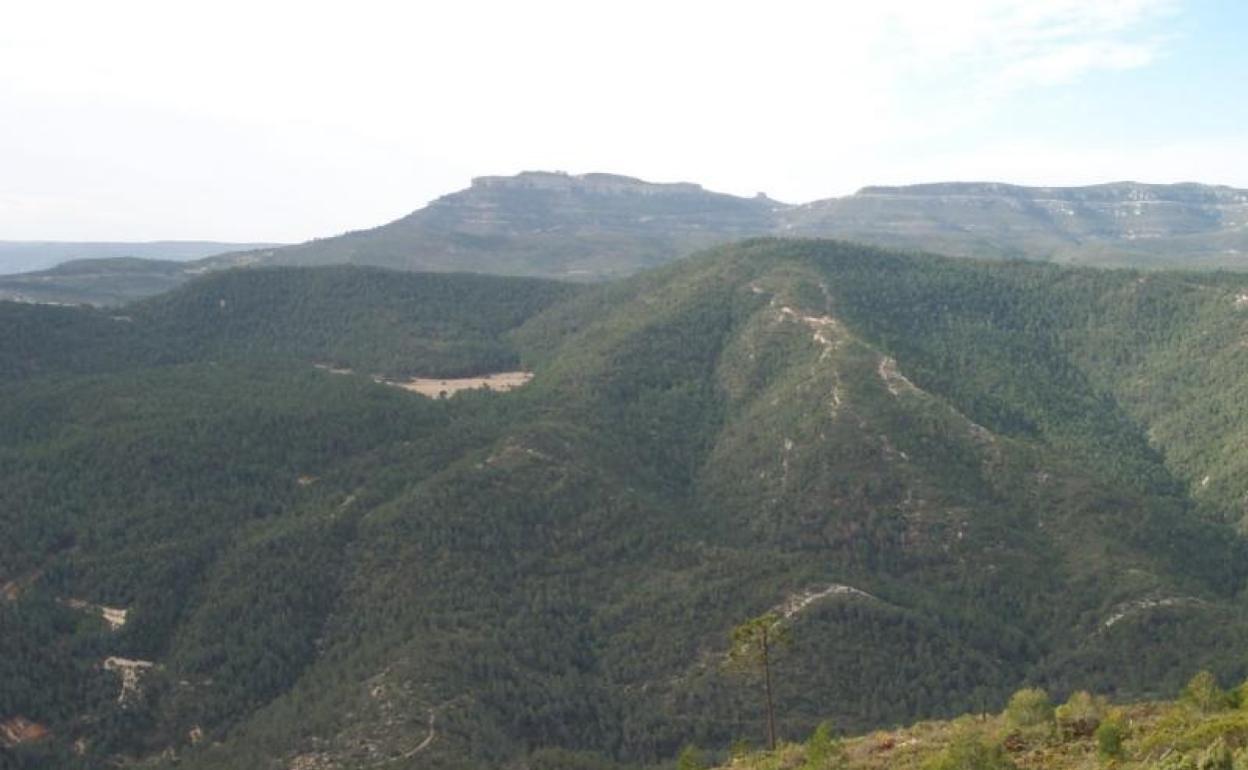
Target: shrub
column 1109, row 737
column 1239, row 696
column 1230, row 726
column 1080, row 715
column 1216, row 757
column 690, row 758
column 823, row 751
column 1175, row 761
column 1029, row 708
column 739, row 748
column 1204, row 693
column 1239, row 760
column 969, row 750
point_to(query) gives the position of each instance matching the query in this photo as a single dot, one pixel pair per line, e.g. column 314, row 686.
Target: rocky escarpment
column 1118, row 223
column 586, row 227
column 539, row 203
column 591, row 227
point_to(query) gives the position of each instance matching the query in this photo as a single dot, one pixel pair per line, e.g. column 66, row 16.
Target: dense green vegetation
column 374, row 321
column 948, row 478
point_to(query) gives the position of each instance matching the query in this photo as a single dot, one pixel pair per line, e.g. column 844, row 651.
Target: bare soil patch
column 442, row 388
column 129, row 671
column 435, row 387
column 18, row 730
column 115, row 617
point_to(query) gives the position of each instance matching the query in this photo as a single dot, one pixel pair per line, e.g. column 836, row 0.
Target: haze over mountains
column 62, row 272
column 27, row 256
column 600, row 226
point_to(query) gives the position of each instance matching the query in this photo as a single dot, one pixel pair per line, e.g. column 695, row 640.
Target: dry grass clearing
column 436, row 388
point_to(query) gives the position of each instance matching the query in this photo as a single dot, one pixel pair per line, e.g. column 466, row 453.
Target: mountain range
column 600, row 226
column 236, row 534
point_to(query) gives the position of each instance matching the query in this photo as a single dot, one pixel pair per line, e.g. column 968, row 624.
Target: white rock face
column 797, row 603
column 129, row 671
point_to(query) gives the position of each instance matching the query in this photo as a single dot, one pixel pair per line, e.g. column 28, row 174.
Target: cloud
column 1001, row 46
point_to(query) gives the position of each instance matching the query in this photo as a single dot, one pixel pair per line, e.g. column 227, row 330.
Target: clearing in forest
column 437, row 388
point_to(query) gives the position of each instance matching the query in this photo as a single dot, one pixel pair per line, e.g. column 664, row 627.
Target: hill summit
column 591, row 226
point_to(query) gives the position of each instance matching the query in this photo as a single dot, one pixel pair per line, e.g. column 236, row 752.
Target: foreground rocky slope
column 949, row 476
column 1206, row 727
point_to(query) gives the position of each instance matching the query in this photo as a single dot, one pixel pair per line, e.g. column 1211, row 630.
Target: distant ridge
column 99, row 281
column 26, row 256
column 592, row 182
column 548, row 224
column 1114, row 224
column 599, row 226
column 594, row 226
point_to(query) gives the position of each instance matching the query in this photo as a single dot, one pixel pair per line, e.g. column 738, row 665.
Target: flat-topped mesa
column 559, row 181
column 586, row 224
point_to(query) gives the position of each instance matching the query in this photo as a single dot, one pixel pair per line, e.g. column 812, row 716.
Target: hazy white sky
column 130, row 120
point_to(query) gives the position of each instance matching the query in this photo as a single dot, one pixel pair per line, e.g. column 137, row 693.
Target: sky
column 283, row 121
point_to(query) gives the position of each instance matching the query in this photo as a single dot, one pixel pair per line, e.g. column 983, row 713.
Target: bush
column 823, row 751
column 1230, row 726
column 1216, row 757
column 739, row 748
column 690, row 758
column 1028, row 709
column 969, row 750
column 1175, row 761
column 1204, row 694
column 1080, row 715
column 1239, row 760
column 1109, row 737
column 1239, row 696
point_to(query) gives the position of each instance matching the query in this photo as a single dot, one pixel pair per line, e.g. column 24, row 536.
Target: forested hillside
column 377, row 321
column 947, row 478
